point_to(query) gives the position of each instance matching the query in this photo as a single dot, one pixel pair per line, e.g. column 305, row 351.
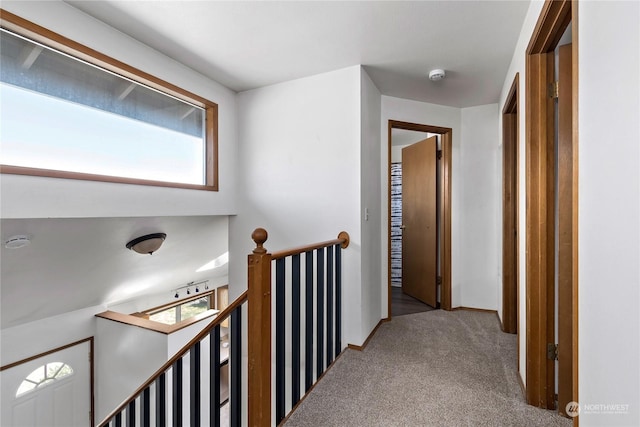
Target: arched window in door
column 44, row 375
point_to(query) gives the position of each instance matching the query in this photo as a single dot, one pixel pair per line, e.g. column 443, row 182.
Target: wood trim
column 536, row 254
column 259, row 327
column 510, row 208
column 565, row 237
column 211, row 140
column 46, row 353
column 554, row 18
column 64, row 347
column 389, row 294
column 221, row 317
column 141, row 322
column 397, row 124
column 445, row 216
column 92, row 379
column 343, row 241
column 549, row 164
column 362, row 347
column 50, row 173
column 59, row 42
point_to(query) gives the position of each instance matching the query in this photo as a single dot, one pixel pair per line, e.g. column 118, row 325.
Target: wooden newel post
column 259, row 328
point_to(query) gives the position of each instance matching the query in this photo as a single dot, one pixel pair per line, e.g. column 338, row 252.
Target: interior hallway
column 402, row 303
column 438, row 368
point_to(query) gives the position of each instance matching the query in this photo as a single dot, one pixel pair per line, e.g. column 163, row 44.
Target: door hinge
column 439, row 280
column 552, row 351
column 553, row 90
column 439, row 154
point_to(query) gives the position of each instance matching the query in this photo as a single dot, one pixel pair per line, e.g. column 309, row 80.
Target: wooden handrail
column 259, row 313
column 258, row 297
column 216, row 322
column 342, row 240
column 137, row 320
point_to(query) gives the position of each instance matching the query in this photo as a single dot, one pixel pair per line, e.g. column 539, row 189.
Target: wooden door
column 566, row 262
column 52, row 390
column 419, row 221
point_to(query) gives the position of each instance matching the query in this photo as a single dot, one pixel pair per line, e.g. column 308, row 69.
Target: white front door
column 52, row 390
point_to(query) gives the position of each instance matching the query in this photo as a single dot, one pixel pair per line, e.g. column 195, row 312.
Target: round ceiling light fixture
column 17, row 242
column 436, row 74
column 147, row 244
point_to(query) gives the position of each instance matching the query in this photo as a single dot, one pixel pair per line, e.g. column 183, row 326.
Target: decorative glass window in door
column 44, row 375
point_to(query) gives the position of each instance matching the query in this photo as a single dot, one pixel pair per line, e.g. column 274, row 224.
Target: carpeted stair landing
column 436, row 368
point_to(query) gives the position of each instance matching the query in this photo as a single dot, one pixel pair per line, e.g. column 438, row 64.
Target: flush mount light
column 17, row 242
column 147, row 244
column 436, row 75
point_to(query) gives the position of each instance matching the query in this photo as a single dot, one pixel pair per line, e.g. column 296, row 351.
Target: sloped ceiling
column 82, row 262
column 249, row 44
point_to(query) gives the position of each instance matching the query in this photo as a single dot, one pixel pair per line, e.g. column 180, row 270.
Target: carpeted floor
column 436, row 368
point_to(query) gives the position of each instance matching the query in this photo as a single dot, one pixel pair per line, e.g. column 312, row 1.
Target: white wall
column 428, row 114
column 125, row 356
column 371, row 207
column 609, row 210
column 481, row 197
column 299, row 142
column 29, row 339
column 28, row 197
column 518, row 66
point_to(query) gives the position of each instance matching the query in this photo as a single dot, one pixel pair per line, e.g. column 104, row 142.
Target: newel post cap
column 344, row 236
column 259, row 236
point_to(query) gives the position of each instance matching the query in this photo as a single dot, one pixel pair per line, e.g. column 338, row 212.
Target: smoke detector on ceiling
column 17, row 242
column 436, row 75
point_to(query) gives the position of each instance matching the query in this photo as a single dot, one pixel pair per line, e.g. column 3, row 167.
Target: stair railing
column 166, row 408
column 322, row 280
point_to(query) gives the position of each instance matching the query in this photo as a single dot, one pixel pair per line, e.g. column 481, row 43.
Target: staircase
column 188, row 389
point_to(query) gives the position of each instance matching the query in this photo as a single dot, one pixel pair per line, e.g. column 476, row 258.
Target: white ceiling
column 244, row 45
column 248, row 44
column 82, row 262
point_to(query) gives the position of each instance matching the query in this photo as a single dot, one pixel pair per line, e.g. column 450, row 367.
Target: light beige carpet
column 428, row 369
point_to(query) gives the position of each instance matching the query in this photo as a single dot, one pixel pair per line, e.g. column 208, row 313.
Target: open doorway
column 552, row 194
column 408, row 136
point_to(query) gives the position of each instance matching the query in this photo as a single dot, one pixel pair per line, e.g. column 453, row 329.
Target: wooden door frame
column 553, row 20
column 510, row 210
column 445, row 207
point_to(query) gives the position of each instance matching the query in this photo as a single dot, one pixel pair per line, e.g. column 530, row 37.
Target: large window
column 176, row 313
column 71, row 112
